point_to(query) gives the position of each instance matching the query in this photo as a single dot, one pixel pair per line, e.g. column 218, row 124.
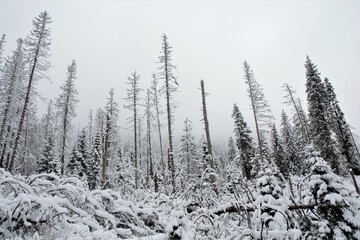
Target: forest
column 297, row 180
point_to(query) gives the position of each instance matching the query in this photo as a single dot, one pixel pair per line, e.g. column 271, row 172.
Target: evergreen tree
column 65, row 104
column 244, row 143
column 187, row 150
column 336, row 215
column 111, row 132
column 47, row 163
column 74, row 165
column 317, row 107
column 290, row 147
column 341, row 129
column 94, row 163
column 83, row 151
column 231, row 150
column 37, row 49
column 278, row 154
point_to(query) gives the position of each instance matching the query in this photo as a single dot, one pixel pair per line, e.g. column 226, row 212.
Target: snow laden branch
column 54, row 207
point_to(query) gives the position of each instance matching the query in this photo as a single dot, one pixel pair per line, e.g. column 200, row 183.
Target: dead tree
column 170, row 86
column 155, row 95
column 38, row 46
column 133, row 103
column 260, row 107
column 291, row 101
column 206, row 122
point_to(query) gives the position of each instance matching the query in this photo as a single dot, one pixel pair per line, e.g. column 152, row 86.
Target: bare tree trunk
column 169, row 119
column 106, row 149
column 208, row 140
column 63, row 144
column 135, row 144
column 156, row 102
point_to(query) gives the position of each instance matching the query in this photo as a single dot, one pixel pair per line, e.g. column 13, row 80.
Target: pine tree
column 133, row 103
column 83, row 151
column 65, row 104
column 38, row 43
column 341, row 129
column 317, row 100
column 260, row 107
column 290, row 147
column 94, row 163
column 337, row 207
column 187, row 150
column 110, row 135
column 244, row 143
column 170, row 86
column 278, row 154
column 47, row 163
column 149, row 157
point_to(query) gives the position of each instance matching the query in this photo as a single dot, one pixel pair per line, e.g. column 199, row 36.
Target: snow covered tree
column 187, row 150
column 37, row 50
column 336, row 215
column 65, row 104
column 149, row 156
column 260, row 107
column 206, row 122
column 231, row 150
column 290, row 147
column 47, row 163
column 133, row 103
column 170, row 86
column 244, row 143
column 341, row 129
column 94, row 163
column 110, row 134
column 278, row 154
column 317, row 107
column 272, row 219
column 291, row 101
column 78, row 163
column 11, row 98
column 155, row 96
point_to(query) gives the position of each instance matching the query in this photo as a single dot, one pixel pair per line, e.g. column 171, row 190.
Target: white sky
column 210, row 39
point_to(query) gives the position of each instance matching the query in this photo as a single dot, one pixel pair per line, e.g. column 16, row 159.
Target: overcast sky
column 210, row 39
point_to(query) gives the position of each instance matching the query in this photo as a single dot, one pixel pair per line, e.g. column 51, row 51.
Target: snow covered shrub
column 179, row 226
column 52, row 207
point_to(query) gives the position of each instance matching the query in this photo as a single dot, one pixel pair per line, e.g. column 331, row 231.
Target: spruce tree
column 231, row 150
column 336, row 215
column 290, row 148
column 341, row 128
column 187, row 150
column 278, row 154
column 94, row 163
column 47, row 163
column 317, row 107
column 244, row 143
